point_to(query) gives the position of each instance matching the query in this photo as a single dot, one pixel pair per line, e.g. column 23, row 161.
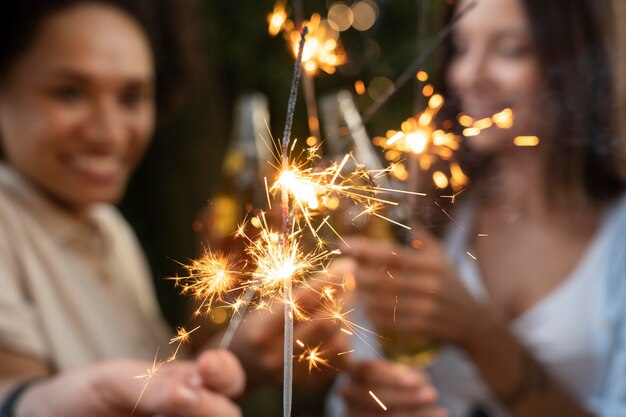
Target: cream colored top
column 72, row 291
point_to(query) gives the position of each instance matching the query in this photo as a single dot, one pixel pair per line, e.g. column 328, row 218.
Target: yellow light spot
column 277, row 19
column 471, row 131
column 218, row 315
column 425, row 119
column 310, row 66
column 435, row 101
column 503, row 119
column 422, row 76
column 311, row 141
column 417, row 141
column 526, row 141
column 466, row 121
column 440, row 179
column 428, row 90
column 301, row 190
column 332, row 203
column 255, row 222
column 359, row 87
column 458, row 176
column 483, row 124
column 300, row 343
column 394, row 138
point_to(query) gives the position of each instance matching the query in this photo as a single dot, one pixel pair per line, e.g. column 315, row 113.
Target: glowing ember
column 314, row 358
column 526, row 141
column 383, row 406
column 150, row 373
column 181, row 337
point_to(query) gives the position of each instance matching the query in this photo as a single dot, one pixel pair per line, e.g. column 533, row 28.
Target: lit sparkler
column 323, row 48
column 421, row 137
column 313, row 357
column 147, row 377
column 210, row 279
column 277, row 257
column 182, row 336
column 313, row 189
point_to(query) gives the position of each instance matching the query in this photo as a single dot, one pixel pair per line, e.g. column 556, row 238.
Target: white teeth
column 97, row 164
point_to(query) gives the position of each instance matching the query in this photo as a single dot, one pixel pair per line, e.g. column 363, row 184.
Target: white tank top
column 560, row 330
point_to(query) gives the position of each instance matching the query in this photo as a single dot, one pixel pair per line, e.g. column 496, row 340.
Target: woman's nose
column 469, row 71
column 106, row 125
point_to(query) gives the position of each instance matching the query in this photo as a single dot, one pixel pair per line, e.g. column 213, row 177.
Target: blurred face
column 77, row 108
column 494, row 66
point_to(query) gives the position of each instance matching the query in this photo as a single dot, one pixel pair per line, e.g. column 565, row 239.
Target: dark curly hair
column 168, row 24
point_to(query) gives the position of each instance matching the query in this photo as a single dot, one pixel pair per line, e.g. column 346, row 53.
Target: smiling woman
column 80, row 82
column 77, row 108
column 526, row 291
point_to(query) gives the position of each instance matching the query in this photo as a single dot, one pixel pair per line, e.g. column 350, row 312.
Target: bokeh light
column 365, row 13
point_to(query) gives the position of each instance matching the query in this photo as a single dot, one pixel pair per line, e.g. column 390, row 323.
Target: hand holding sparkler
column 415, row 292
column 394, row 390
column 111, row 389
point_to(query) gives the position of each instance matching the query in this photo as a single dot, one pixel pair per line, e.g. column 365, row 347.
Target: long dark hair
column 168, row 24
column 571, row 38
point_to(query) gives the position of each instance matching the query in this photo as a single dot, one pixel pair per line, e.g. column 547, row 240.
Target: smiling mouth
column 101, row 168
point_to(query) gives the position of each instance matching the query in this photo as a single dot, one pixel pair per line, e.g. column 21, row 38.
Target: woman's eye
column 511, row 49
column 134, row 97
column 68, row 93
column 458, row 49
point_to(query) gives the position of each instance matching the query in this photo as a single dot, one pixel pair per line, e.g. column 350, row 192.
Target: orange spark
column 181, row 337
column 314, row 358
column 383, row 406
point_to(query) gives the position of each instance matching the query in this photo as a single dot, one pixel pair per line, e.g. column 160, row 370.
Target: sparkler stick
column 288, row 342
column 417, row 63
column 414, row 178
column 308, row 85
column 414, row 181
column 235, row 321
